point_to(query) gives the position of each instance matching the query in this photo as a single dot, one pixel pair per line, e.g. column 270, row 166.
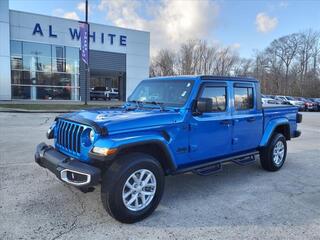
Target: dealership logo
column 103, row 38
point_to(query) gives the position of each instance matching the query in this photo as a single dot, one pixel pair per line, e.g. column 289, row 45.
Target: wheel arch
column 155, row 148
column 276, row 126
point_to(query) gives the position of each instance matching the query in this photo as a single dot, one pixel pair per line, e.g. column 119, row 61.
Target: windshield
column 290, row 98
column 167, row 92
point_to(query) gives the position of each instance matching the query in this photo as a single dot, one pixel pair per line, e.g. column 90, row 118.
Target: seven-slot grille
column 69, row 136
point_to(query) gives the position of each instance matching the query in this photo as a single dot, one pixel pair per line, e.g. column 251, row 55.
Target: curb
column 17, row 110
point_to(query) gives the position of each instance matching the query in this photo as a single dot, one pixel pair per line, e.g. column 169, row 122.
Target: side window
column 243, row 98
column 218, row 96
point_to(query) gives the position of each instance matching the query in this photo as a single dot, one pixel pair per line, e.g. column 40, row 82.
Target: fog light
column 104, row 151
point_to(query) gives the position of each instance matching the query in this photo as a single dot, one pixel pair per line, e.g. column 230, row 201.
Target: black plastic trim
column 73, row 117
column 223, row 78
column 209, row 162
column 299, row 117
column 48, row 157
column 296, row 134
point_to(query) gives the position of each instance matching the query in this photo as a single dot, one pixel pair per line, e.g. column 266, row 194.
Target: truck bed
column 274, row 112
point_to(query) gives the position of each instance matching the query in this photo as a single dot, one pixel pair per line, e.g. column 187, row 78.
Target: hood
column 121, row 120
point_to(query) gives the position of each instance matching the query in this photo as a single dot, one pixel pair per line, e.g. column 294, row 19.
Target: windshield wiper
column 159, row 104
column 138, row 104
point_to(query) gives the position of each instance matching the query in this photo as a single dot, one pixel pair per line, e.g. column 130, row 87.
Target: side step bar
column 241, row 159
column 245, row 161
column 206, row 171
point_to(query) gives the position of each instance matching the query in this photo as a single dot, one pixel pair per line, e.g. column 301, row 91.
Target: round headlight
column 50, row 132
column 91, row 135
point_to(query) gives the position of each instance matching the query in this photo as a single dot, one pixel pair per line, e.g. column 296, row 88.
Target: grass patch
column 56, row 106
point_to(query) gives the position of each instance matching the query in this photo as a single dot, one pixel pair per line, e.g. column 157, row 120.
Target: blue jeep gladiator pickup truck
column 169, row 125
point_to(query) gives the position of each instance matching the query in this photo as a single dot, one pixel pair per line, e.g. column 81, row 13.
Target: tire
column 119, row 174
column 277, row 146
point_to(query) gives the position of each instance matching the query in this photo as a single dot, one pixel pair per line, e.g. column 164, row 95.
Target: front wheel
column 273, row 156
column 132, row 187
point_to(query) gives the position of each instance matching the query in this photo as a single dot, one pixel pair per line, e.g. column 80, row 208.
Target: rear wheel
column 273, row 156
column 132, row 187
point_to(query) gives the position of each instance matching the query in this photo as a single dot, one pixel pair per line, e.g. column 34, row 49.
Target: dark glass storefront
column 44, row 71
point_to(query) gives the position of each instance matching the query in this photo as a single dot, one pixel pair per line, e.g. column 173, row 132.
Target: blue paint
column 111, row 36
column 51, row 34
column 123, row 40
column 190, row 139
column 102, row 38
column 75, row 35
column 93, row 36
column 37, row 29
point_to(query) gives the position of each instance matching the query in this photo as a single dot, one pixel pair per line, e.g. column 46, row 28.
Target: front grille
column 68, row 136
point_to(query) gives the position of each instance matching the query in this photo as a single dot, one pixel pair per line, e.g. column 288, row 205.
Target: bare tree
column 225, row 61
column 163, row 64
column 288, row 66
column 285, row 48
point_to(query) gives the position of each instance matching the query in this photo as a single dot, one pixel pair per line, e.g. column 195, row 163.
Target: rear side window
column 218, row 96
column 243, row 98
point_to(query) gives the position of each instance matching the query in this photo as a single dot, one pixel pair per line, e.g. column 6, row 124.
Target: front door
column 211, row 132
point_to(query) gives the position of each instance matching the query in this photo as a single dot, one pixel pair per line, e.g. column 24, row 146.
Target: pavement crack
column 45, row 121
column 73, row 226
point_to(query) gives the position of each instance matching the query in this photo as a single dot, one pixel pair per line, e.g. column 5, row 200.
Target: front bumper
column 296, row 134
column 67, row 169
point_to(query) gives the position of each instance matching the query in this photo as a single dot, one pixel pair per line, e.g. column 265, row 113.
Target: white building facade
column 39, row 57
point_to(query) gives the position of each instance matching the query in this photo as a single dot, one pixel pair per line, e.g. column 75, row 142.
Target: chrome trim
column 63, row 175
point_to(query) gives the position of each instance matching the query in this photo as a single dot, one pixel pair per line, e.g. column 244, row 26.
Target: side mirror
column 204, row 105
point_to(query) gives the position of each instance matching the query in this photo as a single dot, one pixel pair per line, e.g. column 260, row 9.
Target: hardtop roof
column 206, row 77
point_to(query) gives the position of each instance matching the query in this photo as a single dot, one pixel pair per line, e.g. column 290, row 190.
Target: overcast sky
column 243, row 25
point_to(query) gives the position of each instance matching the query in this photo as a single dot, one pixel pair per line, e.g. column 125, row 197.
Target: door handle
column 251, row 119
column 226, row 122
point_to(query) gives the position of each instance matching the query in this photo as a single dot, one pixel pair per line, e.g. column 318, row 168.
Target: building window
column 243, row 98
column 44, row 71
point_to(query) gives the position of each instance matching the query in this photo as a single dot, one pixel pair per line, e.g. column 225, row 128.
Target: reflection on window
column 167, row 92
column 16, row 48
column 44, row 71
column 16, row 62
column 243, row 98
column 20, row 77
column 36, row 49
column 218, row 96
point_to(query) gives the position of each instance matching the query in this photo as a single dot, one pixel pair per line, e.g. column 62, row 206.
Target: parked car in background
column 308, row 104
column 291, row 101
column 99, row 93
column 316, row 102
column 113, row 94
column 268, row 100
column 104, row 93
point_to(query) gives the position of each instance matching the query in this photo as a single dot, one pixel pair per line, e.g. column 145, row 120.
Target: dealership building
column 40, row 57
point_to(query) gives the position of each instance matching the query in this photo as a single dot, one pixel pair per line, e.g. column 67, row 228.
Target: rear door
column 247, row 118
column 211, row 132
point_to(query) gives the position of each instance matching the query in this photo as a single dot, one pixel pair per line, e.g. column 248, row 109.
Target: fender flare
column 158, row 140
column 269, row 130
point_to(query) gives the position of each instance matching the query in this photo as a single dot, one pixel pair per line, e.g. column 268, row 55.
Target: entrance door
column 211, row 132
column 112, row 81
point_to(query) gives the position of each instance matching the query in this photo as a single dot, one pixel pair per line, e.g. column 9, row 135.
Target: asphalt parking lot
column 237, row 203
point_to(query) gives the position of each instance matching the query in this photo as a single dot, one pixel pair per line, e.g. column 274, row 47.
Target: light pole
column 84, row 38
column 87, row 65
